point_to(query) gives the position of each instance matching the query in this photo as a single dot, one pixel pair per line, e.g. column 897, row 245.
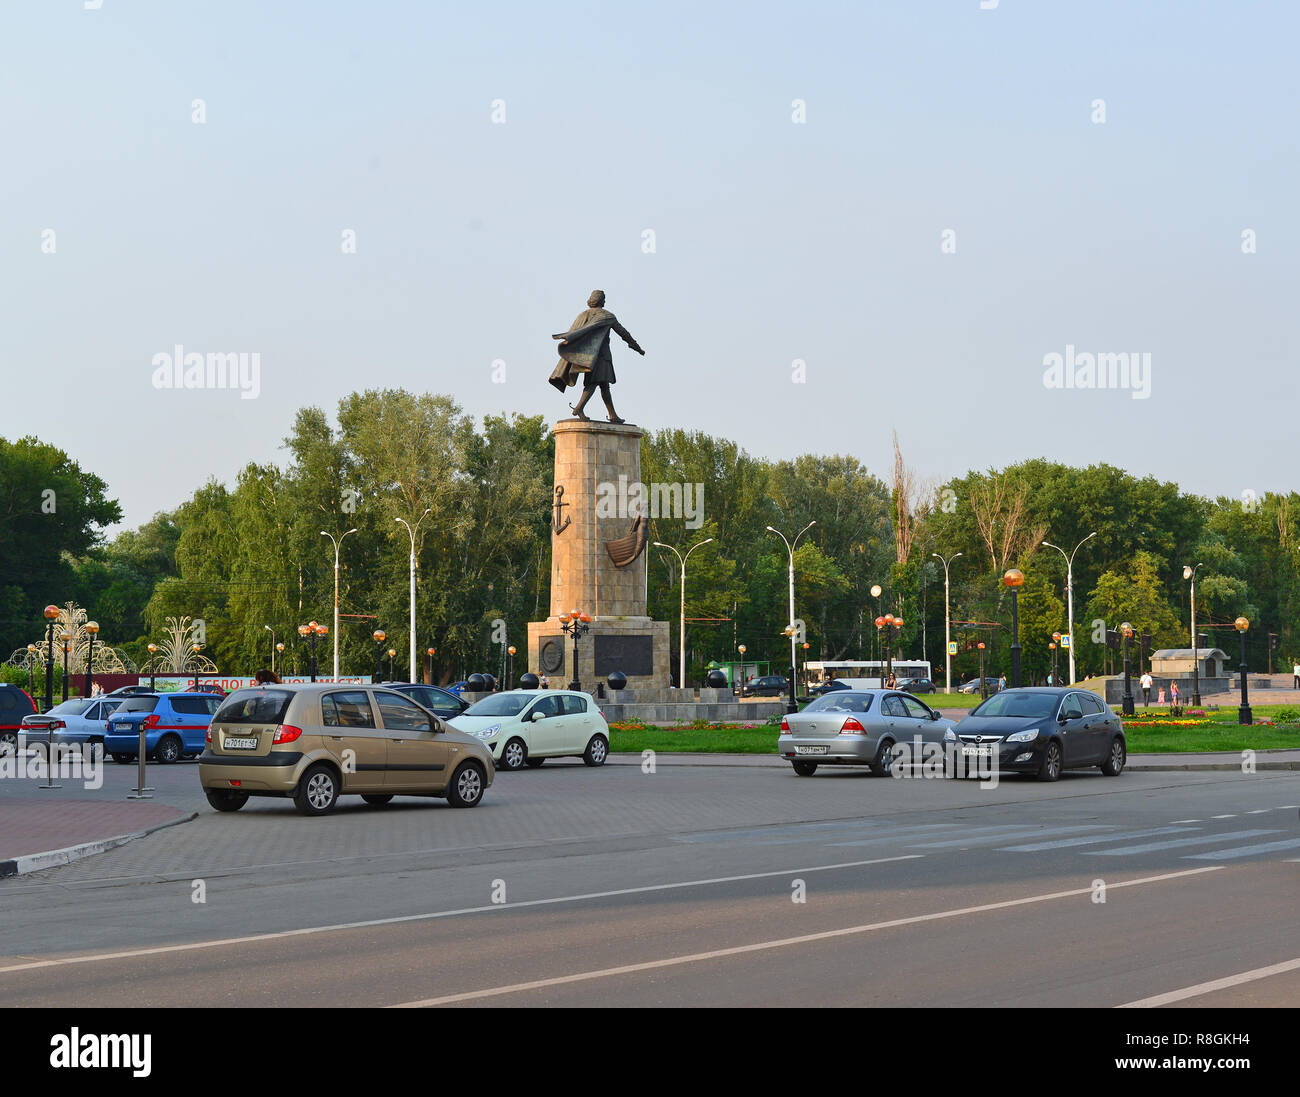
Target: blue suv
column 175, row 726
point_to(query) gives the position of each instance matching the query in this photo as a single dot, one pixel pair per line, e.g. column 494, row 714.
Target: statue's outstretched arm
column 626, row 336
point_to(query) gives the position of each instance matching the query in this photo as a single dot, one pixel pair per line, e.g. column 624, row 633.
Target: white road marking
column 1246, row 851
column 1258, row 811
column 1216, row 984
column 1009, row 835
column 1092, row 839
column 785, row 942
column 432, row 915
column 1222, row 816
column 1177, row 843
column 1177, row 821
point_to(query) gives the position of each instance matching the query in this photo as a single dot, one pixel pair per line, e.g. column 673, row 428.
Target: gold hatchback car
column 318, row 742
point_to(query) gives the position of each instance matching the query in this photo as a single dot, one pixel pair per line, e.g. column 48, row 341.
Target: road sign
column 1065, row 640
column 952, row 647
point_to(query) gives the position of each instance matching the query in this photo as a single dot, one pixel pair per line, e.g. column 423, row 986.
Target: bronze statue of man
column 584, row 349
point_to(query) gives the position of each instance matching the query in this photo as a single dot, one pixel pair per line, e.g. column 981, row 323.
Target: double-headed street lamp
column 889, row 621
column 337, row 543
column 1189, row 572
column 576, row 624
column 1244, row 715
column 1069, row 593
column 791, row 546
column 947, row 638
column 310, row 631
column 411, row 639
column 681, row 666
column 1014, row 580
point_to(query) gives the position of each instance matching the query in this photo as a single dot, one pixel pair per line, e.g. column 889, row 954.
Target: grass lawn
column 727, row 739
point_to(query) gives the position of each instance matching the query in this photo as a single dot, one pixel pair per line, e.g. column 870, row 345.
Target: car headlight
column 1023, row 736
column 489, row 733
column 949, row 736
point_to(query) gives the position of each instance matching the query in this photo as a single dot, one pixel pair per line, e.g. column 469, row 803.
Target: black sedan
column 437, row 700
column 973, row 686
column 1042, row 731
column 770, row 685
column 916, row 685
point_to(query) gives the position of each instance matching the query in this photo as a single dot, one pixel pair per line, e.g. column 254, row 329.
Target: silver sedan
column 861, row 727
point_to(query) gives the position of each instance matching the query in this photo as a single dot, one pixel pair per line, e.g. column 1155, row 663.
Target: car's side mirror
column 537, row 715
column 935, row 715
column 1063, row 719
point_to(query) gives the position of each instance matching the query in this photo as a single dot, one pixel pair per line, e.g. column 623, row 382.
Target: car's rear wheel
column 317, row 791
column 514, row 755
column 378, row 800
column 1113, row 766
column 123, row 759
column 535, row 763
column 884, row 758
column 1049, row 769
column 805, row 769
column 466, row 788
column 597, row 751
column 225, row 801
column 9, row 742
column 168, row 750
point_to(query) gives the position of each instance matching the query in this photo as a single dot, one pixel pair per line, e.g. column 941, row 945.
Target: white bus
column 863, row 673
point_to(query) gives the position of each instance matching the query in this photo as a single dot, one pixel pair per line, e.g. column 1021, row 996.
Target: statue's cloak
column 584, row 349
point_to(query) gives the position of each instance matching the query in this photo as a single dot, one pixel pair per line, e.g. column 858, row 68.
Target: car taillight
column 852, row 727
column 286, row 733
column 207, row 736
column 151, row 721
column 785, row 724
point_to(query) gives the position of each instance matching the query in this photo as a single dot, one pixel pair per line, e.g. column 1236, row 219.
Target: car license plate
column 979, row 752
column 812, row 750
column 240, row 744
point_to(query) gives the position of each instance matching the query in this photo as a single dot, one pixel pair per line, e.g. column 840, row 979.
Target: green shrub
column 1287, row 714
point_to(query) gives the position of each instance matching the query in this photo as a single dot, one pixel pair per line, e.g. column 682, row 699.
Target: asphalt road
column 675, row 888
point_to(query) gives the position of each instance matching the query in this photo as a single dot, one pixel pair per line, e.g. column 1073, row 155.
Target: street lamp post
column 430, row 652
column 984, row 690
column 1244, row 715
column 272, row 632
column 895, row 623
column 92, row 630
column 279, row 648
column 65, row 638
column 1014, row 579
column 1052, row 648
column 411, row 531
column 51, row 613
column 510, row 667
column 880, row 614
column 1189, row 572
column 791, row 546
column 195, row 649
column 575, row 624
column 947, row 637
column 1069, row 593
column 681, row 666
column 337, row 543
column 379, row 636
column 740, row 678
column 880, row 651
column 31, row 668
column 1126, row 631
column 392, row 654
column 153, row 679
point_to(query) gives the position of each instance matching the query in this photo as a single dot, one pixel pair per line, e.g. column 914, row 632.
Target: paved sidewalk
column 36, row 835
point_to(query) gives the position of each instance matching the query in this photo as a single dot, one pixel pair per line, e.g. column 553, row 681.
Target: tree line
column 249, row 554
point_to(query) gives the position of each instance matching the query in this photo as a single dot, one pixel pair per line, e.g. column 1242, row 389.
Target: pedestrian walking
column 1146, row 689
column 1002, row 682
column 1295, row 676
column 1160, row 700
column 1173, row 693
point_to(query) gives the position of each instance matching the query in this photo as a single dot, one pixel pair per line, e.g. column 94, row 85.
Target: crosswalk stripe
column 1092, row 838
column 1176, row 843
column 968, row 840
column 1246, row 851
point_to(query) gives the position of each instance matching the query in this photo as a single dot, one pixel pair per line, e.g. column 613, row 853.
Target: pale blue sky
column 775, row 241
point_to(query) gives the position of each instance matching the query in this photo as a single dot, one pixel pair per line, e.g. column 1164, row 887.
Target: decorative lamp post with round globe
column 1014, row 580
column 65, row 641
column 153, row 679
column 92, row 630
column 576, row 624
column 510, row 667
column 1244, row 715
column 740, row 676
column 51, row 615
column 984, row 689
column 379, row 636
column 1126, row 632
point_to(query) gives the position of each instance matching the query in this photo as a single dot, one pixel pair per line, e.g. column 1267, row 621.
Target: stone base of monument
column 637, row 646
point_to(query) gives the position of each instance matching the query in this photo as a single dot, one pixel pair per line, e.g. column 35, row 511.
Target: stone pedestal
column 595, row 507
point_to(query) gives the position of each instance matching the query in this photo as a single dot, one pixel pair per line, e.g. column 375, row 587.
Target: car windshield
column 841, row 701
column 75, row 707
column 137, row 704
column 254, row 706
column 1015, row 704
column 501, row 704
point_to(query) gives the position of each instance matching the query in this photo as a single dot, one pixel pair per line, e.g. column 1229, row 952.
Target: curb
column 35, row 862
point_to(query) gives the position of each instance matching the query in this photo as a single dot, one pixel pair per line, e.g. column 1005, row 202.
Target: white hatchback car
column 524, row 727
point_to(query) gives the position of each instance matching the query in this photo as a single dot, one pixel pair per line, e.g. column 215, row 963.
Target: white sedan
column 524, row 727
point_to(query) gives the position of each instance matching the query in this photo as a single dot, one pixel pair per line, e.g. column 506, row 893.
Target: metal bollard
column 140, row 793
column 49, row 764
